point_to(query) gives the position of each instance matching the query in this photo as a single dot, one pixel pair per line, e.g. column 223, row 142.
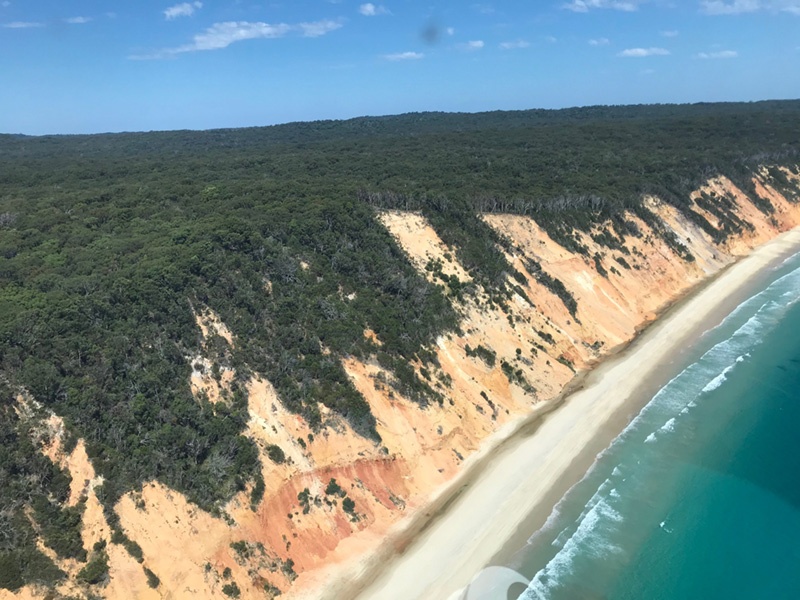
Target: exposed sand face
column 176, row 536
column 708, row 257
column 610, row 308
column 424, row 450
column 210, row 324
column 202, row 380
column 414, row 235
column 208, row 378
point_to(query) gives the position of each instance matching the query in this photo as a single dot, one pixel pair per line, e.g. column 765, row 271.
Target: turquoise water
column 699, row 497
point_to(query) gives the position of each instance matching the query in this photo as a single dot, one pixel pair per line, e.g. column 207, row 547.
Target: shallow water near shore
column 699, row 497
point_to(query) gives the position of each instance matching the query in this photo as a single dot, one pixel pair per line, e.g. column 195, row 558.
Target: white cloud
column 5, row 3
column 550, row 39
column 670, row 34
column 371, row 10
column 719, row 54
column 22, row 25
column 319, row 28
column 450, row 31
column 643, row 52
column 472, row 45
column 738, row 7
column 599, row 42
column 185, row 9
column 514, row 45
column 583, row 6
column 77, row 20
column 222, row 35
column 404, row 56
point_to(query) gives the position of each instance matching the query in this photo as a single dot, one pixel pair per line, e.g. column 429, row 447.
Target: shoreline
column 488, row 509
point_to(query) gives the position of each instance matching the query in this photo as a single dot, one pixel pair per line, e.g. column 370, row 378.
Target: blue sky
column 102, row 65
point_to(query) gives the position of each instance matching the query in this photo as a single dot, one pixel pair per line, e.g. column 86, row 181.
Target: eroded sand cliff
column 336, row 496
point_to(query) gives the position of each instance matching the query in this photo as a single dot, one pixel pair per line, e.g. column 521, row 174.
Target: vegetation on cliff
column 109, row 244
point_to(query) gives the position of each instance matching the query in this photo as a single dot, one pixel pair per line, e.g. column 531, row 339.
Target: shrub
column 95, row 570
column 152, row 579
column 334, row 489
column 304, row 498
column 485, row 354
column 275, row 454
column 349, row 506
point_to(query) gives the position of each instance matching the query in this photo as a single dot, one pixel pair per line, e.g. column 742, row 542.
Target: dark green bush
column 152, row 579
column 275, row 454
column 96, row 570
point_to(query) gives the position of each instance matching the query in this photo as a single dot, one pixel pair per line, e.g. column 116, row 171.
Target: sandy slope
column 466, row 537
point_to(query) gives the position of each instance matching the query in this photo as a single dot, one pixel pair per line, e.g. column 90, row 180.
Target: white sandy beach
column 529, row 473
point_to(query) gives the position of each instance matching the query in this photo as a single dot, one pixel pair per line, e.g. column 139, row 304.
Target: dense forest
column 110, row 243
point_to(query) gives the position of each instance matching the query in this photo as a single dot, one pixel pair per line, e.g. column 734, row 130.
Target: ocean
column 699, row 497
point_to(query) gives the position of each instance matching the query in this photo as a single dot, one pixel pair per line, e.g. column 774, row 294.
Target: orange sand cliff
column 295, row 550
